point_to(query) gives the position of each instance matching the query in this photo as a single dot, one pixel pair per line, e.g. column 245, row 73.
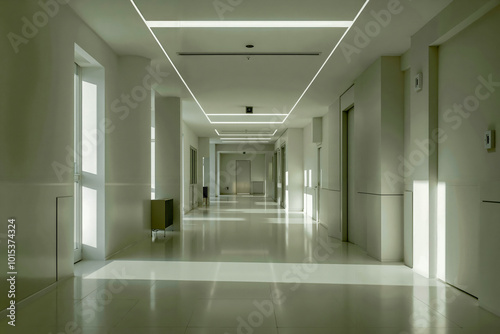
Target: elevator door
column 243, row 171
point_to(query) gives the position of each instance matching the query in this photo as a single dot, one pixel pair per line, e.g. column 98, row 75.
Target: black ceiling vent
column 249, row 110
column 251, row 54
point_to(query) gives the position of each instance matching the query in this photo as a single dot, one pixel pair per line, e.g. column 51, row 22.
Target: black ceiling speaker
column 249, row 110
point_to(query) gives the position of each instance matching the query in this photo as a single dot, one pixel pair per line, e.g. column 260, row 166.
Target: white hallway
column 243, row 265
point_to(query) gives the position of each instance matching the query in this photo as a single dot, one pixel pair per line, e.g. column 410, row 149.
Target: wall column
column 168, row 154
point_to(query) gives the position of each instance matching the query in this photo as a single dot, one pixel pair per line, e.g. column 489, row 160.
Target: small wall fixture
column 249, row 110
column 419, row 82
column 489, row 140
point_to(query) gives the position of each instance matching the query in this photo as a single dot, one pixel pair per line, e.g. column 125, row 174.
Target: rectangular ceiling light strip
column 170, row 60
column 249, row 24
column 247, row 122
column 327, row 59
column 249, row 53
column 245, row 142
column 248, row 115
column 256, row 138
column 261, row 134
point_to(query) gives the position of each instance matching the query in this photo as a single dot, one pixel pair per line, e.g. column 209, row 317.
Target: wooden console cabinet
column 162, row 213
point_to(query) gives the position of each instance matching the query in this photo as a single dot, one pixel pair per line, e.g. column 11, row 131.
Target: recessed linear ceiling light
column 327, row 59
column 170, row 60
column 247, row 134
column 245, row 142
column 253, row 115
column 249, row 24
column 246, row 122
column 249, row 54
column 255, row 138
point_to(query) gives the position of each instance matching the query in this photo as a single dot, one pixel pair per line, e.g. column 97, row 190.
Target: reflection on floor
column 244, row 265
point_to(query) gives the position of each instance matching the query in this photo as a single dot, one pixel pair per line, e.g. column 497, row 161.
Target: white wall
column 213, row 171
column 423, row 171
column 228, row 170
column 168, row 162
column 190, row 139
column 467, row 170
column 310, row 173
column 378, row 136
column 293, row 138
column 36, row 128
column 128, row 159
column 330, row 192
column 251, row 149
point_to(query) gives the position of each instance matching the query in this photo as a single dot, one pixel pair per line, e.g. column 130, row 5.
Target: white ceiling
column 272, row 84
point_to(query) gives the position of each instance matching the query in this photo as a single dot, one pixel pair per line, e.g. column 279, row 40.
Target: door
column 284, row 177
column 351, row 190
column 243, row 170
column 275, row 175
column 88, row 145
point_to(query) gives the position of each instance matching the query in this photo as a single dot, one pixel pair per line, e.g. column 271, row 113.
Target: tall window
column 194, row 156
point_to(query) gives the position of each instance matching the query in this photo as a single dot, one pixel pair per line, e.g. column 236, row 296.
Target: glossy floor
column 245, row 266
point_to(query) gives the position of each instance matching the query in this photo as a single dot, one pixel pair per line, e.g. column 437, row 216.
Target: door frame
column 318, row 184
column 283, row 176
column 77, row 244
column 345, row 171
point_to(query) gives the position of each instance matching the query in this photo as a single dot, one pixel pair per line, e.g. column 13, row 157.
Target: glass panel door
column 77, row 165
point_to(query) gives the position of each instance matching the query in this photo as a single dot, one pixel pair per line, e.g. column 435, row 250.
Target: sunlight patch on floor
column 262, row 272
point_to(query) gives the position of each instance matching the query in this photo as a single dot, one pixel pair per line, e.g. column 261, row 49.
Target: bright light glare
column 421, row 227
column 260, row 272
column 89, row 127
column 89, row 217
column 249, row 24
column 441, row 232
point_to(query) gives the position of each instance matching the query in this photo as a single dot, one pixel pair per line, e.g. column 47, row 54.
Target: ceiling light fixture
column 253, row 115
column 326, row 60
column 246, row 122
column 200, row 54
column 170, row 60
column 247, row 134
column 249, row 24
column 256, row 138
column 245, row 142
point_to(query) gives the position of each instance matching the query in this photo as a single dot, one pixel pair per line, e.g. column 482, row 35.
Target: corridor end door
column 243, row 172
